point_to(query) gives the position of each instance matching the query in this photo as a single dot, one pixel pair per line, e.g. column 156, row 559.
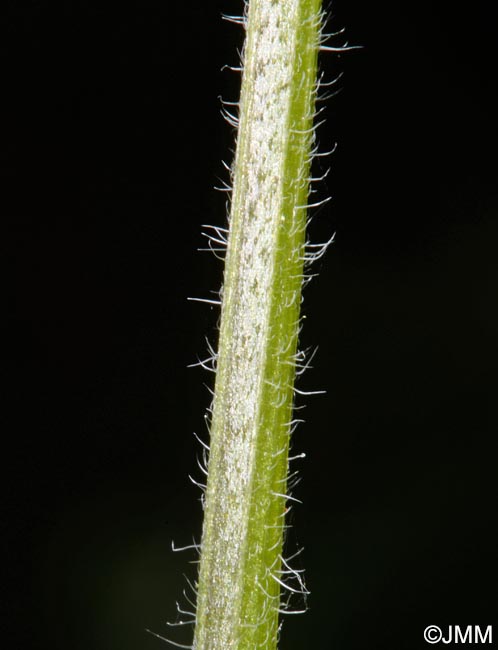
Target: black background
column 111, row 144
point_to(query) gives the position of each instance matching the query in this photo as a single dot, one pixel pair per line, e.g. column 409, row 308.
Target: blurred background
column 112, row 141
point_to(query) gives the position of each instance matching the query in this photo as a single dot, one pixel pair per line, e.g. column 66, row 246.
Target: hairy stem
column 240, row 576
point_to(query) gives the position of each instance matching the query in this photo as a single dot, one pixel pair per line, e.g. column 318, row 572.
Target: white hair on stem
column 280, row 572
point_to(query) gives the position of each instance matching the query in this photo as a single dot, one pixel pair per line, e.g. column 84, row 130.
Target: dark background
column 111, row 143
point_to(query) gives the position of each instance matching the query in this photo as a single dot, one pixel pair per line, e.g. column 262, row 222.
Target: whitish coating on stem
column 258, row 206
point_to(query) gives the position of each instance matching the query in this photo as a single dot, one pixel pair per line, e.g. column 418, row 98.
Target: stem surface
column 240, row 576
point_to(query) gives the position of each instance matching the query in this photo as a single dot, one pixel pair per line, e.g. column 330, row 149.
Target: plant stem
column 245, row 503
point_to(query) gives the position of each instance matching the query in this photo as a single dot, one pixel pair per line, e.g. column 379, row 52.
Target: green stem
column 245, row 503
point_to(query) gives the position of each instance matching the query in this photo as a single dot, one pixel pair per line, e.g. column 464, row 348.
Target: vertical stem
column 238, row 586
